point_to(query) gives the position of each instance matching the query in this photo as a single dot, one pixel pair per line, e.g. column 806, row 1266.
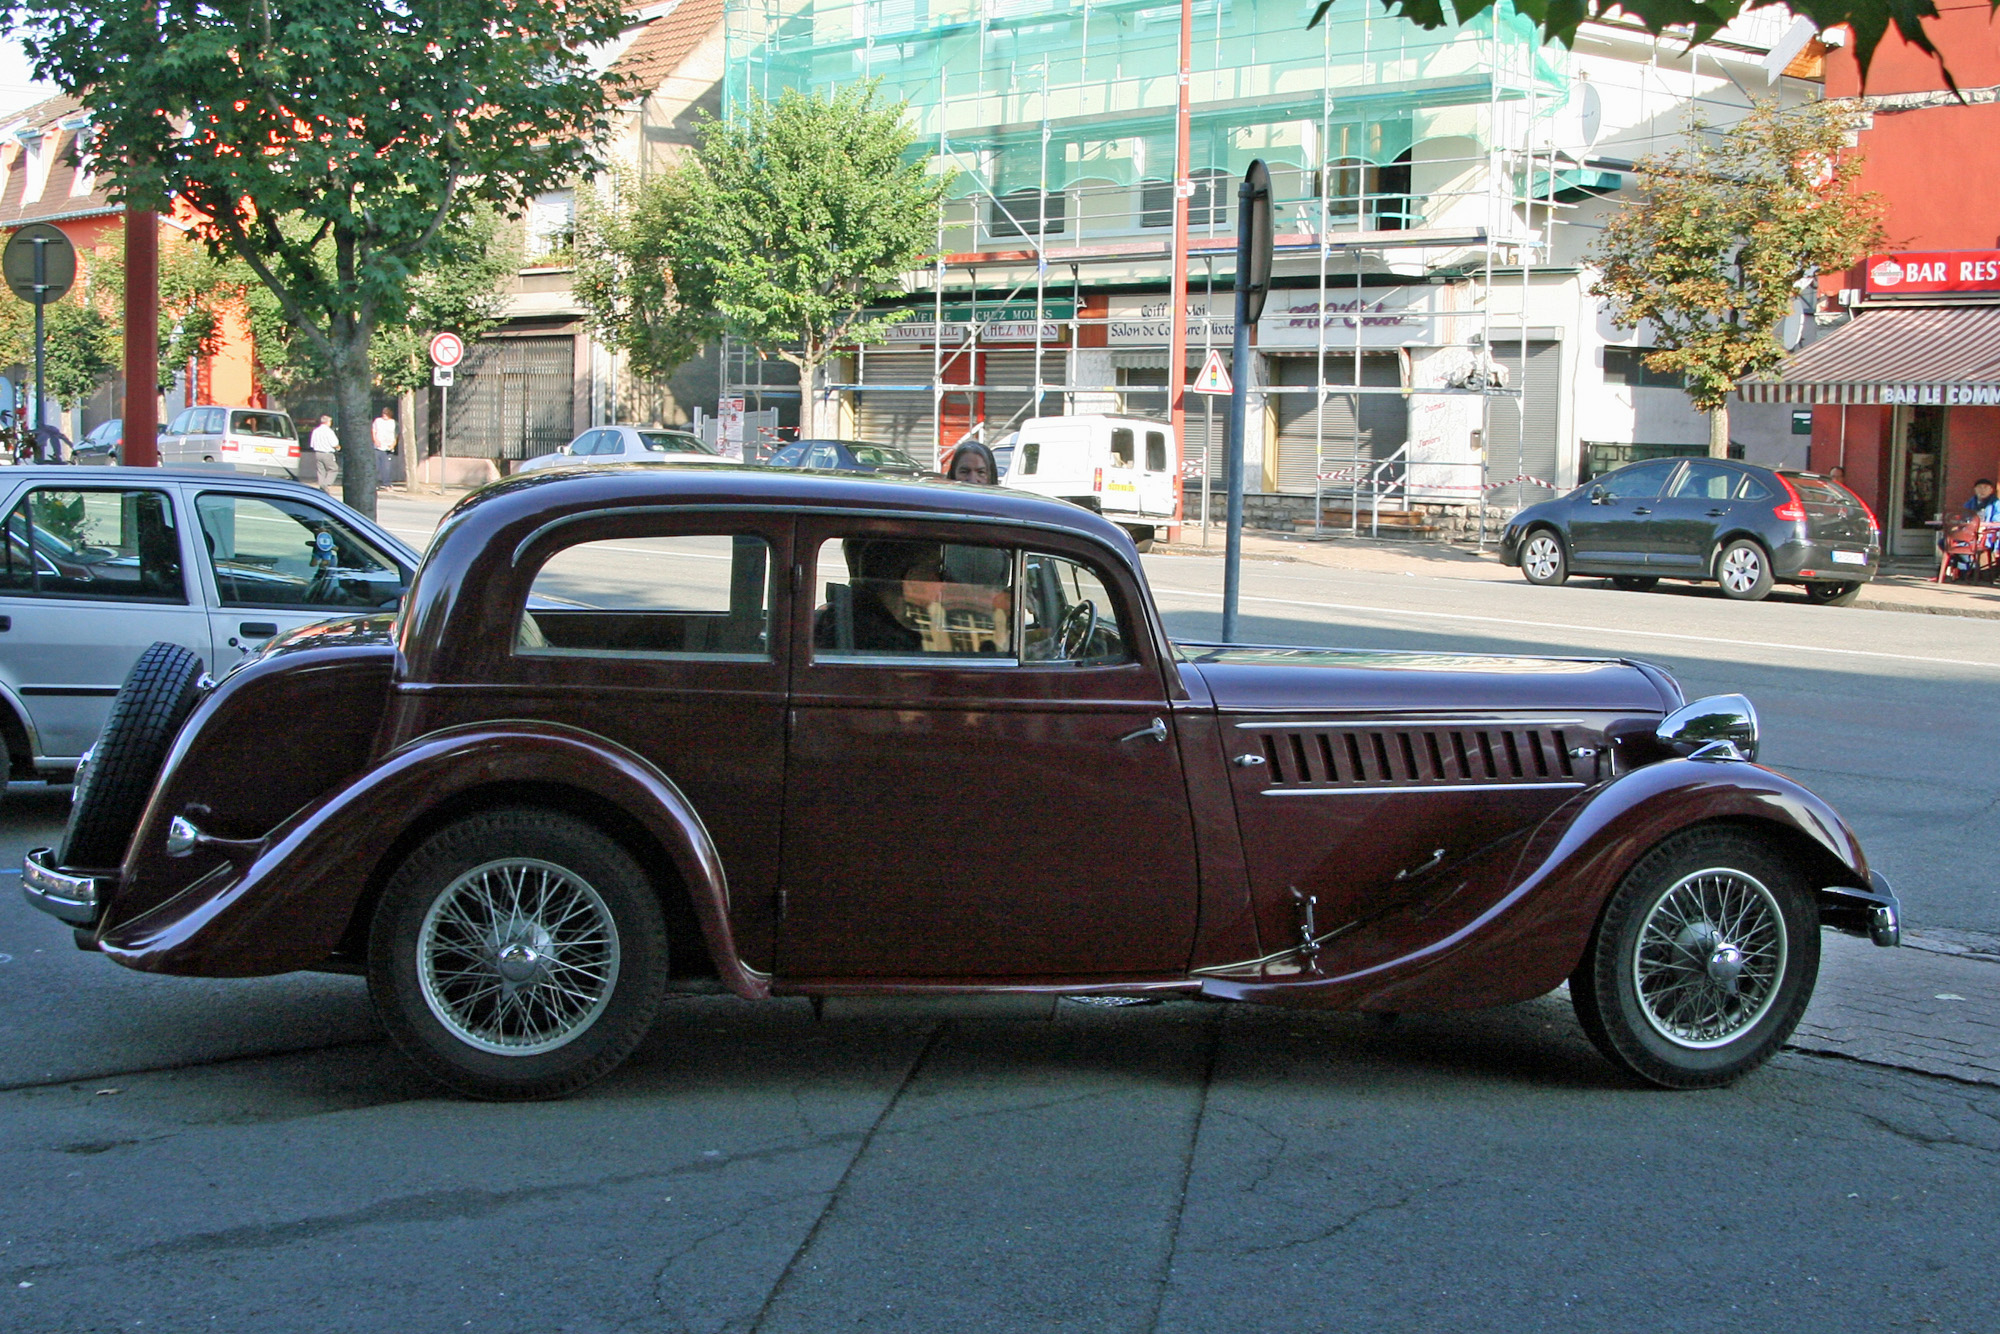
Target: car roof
column 117, row 473
column 561, row 492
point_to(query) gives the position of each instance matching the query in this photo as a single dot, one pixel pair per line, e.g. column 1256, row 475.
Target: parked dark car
column 847, row 456
column 551, row 789
column 102, row 445
column 1744, row 527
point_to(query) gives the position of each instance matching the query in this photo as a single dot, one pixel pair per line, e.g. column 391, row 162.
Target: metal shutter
column 515, row 398
column 901, row 417
column 1009, row 378
column 1312, row 439
column 1510, row 452
column 1207, row 417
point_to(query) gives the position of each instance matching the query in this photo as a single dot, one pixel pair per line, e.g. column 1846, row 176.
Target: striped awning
column 1941, row 354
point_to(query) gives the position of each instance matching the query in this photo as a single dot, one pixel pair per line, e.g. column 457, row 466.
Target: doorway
column 1916, row 472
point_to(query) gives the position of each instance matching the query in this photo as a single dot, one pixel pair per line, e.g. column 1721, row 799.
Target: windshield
column 672, row 442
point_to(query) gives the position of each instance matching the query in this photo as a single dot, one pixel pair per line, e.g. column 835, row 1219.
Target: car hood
column 1243, row 677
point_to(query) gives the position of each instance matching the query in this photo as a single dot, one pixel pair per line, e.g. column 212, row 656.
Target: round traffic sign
column 58, row 263
column 447, row 349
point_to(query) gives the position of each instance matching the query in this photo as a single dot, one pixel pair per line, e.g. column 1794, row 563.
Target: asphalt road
column 185, row 1154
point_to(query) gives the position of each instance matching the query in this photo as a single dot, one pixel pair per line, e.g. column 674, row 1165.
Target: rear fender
column 284, row 902
column 1530, row 937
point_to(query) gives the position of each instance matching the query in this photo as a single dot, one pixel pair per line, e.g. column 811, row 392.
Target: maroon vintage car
column 640, row 730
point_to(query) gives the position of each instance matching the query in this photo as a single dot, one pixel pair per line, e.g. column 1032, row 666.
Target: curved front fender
column 1529, row 928
column 282, row 903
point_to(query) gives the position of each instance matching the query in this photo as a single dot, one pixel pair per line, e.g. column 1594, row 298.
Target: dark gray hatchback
column 1742, row 526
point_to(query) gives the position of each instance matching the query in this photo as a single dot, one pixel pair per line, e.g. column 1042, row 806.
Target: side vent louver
column 1413, row 757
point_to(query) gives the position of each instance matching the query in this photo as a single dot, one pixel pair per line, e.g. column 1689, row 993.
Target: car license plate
column 1850, row 558
column 271, row 451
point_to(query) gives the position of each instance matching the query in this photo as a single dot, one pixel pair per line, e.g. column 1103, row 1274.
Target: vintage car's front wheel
column 1702, row 962
column 518, row 954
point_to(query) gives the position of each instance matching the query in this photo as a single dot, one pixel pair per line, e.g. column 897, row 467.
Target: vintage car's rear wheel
column 116, row 777
column 518, row 954
column 1703, row 960
column 1543, row 560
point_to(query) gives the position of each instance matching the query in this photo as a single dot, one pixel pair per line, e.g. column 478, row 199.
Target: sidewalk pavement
column 1932, row 1006
column 1906, row 587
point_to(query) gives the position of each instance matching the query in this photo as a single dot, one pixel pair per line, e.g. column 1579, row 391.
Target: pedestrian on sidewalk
column 388, row 460
column 972, row 462
column 323, row 453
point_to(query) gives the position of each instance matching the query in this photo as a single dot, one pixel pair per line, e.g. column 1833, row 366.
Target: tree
column 371, row 127
column 197, row 288
column 80, row 344
column 1730, row 231
column 461, row 289
column 1699, row 19
column 781, row 229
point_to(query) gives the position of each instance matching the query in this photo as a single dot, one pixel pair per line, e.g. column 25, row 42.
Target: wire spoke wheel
column 517, row 956
column 1709, row 957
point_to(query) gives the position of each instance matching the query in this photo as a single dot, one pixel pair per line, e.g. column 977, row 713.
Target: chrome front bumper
column 73, row 897
column 1874, row 912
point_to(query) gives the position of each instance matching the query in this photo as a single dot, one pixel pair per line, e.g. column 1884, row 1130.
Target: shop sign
column 1940, row 395
column 1930, row 272
column 1011, row 322
column 1372, row 317
column 1148, row 321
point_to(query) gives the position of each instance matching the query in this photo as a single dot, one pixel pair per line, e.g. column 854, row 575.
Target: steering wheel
column 1074, row 631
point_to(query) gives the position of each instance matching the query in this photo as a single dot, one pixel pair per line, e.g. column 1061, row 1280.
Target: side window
column 823, row 456
column 279, row 552
column 697, row 596
column 213, row 421
column 1156, row 451
column 788, row 457
column 1640, row 483
column 1068, row 614
column 179, row 425
column 1121, row 447
column 883, row 596
column 1749, row 488
column 108, row 545
column 1705, row 481
column 1031, row 458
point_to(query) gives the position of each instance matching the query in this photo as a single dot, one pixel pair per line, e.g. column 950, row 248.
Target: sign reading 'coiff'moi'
column 1933, row 272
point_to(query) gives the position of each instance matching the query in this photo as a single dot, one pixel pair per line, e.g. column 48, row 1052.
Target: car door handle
column 257, row 629
column 6, row 622
column 1716, row 514
column 1640, row 509
column 1157, row 729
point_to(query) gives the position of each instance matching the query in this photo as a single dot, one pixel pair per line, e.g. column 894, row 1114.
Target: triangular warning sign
column 1213, row 379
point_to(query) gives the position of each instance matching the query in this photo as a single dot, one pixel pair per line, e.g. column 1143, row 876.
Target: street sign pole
column 41, row 403
column 39, row 264
column 1253, row 282
column 447, row 350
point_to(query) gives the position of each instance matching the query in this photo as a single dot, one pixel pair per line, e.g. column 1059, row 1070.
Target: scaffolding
column 1415, row 179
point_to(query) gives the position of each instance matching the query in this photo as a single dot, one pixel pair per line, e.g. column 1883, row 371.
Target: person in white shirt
column 324, row 447
column 388, row 463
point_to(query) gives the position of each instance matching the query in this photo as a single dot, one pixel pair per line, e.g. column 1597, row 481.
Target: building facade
column 1436, row 196
column 1903, row 387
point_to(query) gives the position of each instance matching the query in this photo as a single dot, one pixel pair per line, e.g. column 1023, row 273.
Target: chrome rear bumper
column 74, row 897
column 1874, row 912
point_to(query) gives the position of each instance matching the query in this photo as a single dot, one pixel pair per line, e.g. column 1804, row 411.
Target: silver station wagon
column 100, row 562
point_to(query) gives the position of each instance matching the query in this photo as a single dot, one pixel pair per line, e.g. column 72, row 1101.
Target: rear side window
column 1121, row 447
column 102, row 545
column 788, row 458
column 694, row 596
column 1752, row 489
column 1031, row 458
column 1705, row 481
column 280, row 552
column 666, row 442
column 902, row 597
column 213, row 421
column 1156, row 451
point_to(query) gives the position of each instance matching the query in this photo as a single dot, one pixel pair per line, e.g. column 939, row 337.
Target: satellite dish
column 1791, row 329
column 1576, row 126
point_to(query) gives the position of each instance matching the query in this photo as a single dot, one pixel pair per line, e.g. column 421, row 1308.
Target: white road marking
column 1585, row 629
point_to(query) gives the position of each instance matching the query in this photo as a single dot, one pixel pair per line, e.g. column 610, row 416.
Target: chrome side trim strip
column 1413, row 720
column 1359, row 791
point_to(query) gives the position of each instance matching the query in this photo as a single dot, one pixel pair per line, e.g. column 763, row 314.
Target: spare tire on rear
column 115, row 780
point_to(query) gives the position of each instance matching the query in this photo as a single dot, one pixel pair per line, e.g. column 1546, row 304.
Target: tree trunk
column 822, row 414
column 352, row 377
column 1718, row 431
column 406, row 437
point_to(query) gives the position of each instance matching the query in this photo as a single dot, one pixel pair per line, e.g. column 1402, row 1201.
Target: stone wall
column 1272, row 512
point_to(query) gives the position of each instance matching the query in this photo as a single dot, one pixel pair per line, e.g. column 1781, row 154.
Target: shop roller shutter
column 1313, row 439
column 899, row 417
column 1510, row 451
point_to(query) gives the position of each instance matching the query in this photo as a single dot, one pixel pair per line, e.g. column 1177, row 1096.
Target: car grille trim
column 1415, row 758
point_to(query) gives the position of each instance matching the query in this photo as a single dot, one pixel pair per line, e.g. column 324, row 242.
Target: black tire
column 1634, row 583
column 552, row 1041
column 1544, row 560
column 1743, row 568
column 116, row 777
column 1638, row 1027
column 1833, row 595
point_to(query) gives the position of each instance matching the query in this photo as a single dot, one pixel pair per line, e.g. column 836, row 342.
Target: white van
column 1122, row 467
column 259, row 440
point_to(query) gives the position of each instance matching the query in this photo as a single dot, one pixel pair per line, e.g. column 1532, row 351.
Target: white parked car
column 98, row 563
column 1122, row 467
column 626, row 444
column 255, row 440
